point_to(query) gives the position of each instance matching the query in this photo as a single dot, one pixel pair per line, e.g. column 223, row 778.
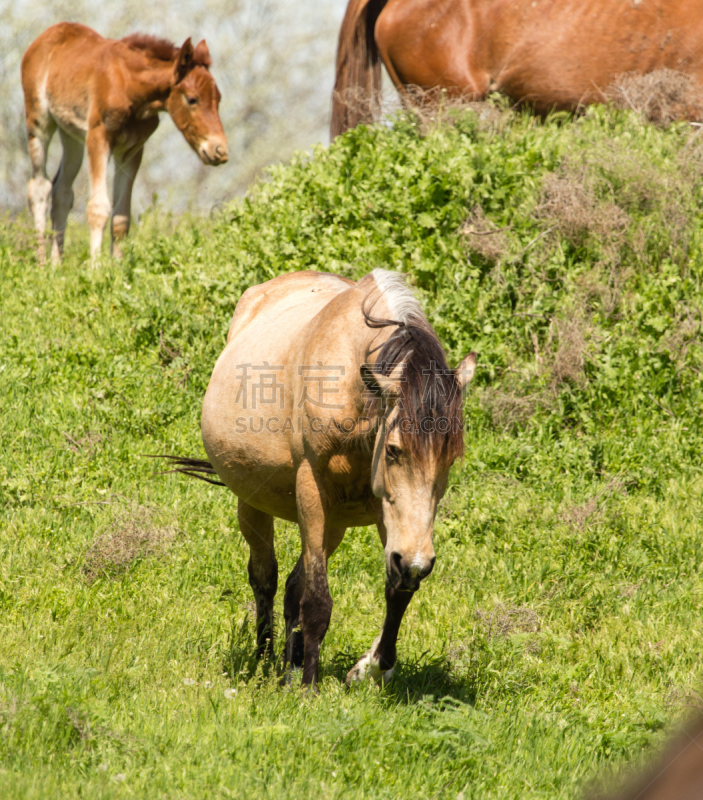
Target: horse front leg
column 379, row 661
column 98, row 208
column 294, row 651
column 127, row 163
column 319, row 540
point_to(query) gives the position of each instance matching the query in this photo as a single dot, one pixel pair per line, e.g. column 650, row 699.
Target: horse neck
column 151, row 81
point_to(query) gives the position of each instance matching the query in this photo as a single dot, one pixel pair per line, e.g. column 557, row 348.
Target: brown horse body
column 676, row 774
column 551, row 54
column 106, row 94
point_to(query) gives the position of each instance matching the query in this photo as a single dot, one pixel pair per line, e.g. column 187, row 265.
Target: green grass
column 561, row 630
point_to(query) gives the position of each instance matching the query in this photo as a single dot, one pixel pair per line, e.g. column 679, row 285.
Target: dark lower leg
column 264, row 589
column 291, row 612
column 315, row 614
column 257, row 529
column 62, row 191
column 396, row 604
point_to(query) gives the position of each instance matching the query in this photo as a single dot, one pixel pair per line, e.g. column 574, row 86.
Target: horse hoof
column 368, row 667
column 290, row 675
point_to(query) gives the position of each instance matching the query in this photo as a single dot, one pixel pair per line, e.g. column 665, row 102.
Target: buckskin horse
column 332, row 406
column 106, row 94
column 549, row 54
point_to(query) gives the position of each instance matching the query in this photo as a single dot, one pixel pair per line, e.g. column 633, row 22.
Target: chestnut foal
column 106, row 94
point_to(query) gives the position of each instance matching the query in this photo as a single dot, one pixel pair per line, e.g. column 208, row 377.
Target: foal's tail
column 358, row 78
column 195, row 467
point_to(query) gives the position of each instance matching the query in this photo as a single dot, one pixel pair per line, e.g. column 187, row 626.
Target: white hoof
column 368, row 666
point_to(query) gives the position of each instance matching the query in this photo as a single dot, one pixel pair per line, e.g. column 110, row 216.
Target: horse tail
column 358, row 76
column 195, row 467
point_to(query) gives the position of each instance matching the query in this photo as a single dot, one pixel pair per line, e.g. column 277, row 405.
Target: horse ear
column 185, row 60
column 465, row 371
column 387, row 386
column 201, row 56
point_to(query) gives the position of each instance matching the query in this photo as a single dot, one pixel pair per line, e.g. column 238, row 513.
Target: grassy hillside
column 561, row 631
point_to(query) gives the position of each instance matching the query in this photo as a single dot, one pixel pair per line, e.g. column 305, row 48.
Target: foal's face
column 193, row 105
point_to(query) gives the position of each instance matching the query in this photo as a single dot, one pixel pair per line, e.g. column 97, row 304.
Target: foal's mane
column 430, row 402
column 161, row 49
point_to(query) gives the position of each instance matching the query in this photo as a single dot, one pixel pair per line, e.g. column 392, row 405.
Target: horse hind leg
column 291, row 611
column 126, row 168
column 62, row 190
column 257, row 529
column 39, row 133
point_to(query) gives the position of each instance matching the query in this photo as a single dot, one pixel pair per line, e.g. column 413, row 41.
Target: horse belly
column 70, row 115
column 247, row 423
column 562, row 54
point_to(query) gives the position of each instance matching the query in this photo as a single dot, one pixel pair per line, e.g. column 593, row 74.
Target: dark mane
column 158, row 48
column 161, row 49
column 430, row 405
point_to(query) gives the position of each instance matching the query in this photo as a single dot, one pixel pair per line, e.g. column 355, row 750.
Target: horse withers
column 105, row 95
column 332, row 406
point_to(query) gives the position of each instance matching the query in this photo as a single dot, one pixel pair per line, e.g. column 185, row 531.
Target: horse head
column 194, row 101
column 420, row 434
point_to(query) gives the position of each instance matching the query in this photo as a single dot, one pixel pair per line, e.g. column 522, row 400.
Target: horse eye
column 393, row 451
column 192, row 101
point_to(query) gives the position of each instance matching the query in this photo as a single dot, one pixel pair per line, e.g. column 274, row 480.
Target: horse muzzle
column 213, row 152
column 405, row 574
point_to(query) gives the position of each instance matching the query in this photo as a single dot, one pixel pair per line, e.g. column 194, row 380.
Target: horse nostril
column 428, row 569
column 397, row 563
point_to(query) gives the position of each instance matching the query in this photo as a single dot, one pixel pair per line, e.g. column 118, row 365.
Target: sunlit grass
column 561, row 629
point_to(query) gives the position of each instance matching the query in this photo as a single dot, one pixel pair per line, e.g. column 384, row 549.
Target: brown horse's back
column 69, row 41
column 562, row 54
column 548, row 53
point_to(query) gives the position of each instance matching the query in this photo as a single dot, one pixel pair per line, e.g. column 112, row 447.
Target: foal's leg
column 319, row 541
column 98, row 209
column 62, row 191
column 257, row 528
column 126, row 168
column 39, row 186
